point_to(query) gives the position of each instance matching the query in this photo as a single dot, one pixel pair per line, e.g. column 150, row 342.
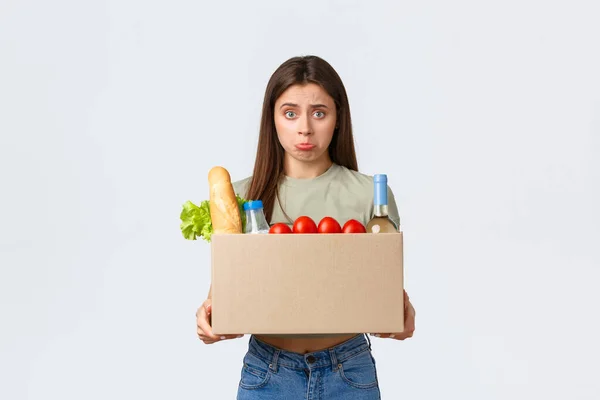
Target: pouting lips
column 305, row 146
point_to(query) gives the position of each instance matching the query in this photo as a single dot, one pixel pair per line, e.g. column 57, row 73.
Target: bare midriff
column 303, row 345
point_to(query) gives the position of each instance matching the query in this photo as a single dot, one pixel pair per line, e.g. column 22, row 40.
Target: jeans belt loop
column 334, row 362
column 275, row 360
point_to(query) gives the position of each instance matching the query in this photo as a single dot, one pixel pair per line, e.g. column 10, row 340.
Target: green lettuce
column 195, row 220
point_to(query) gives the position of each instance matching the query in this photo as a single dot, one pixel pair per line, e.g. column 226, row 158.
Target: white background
column 485, row 115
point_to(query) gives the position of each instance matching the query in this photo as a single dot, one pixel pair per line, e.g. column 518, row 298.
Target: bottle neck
column 380, row 210
column 380, row 199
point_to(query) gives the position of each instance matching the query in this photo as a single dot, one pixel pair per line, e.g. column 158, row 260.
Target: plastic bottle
column 255, row 217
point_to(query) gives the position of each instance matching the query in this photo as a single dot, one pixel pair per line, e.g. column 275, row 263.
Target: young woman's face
column 305, row 119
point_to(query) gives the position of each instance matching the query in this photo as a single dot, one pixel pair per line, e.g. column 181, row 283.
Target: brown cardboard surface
column 307, row 283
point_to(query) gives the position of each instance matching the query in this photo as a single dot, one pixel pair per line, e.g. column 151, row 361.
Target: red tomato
column 280, row 227
column 329, row 225
column 305, row 224
column 353, row 226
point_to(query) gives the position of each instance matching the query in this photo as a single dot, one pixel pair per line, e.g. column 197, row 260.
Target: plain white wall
column 485, row 116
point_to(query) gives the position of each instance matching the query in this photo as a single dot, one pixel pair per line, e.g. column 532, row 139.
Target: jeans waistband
column 330, row 357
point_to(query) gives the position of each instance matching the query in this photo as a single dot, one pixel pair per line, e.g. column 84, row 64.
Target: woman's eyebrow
column 296, row 105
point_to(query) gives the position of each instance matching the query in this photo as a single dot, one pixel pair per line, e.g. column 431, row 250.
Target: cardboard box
column 307, row 283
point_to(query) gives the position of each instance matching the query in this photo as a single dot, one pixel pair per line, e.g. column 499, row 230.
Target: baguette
column 224, row 208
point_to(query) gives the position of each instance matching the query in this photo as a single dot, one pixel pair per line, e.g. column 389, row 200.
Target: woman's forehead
column 309, row 93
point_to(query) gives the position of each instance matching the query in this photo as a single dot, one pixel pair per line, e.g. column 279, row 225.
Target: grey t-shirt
column 339, row 193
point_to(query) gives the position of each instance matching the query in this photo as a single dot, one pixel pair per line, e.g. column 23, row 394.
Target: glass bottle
column 381, row 222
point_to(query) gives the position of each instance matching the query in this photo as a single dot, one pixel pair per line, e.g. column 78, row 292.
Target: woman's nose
column 304, row 126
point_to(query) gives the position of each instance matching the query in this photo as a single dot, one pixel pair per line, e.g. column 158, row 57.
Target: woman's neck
column 306, row 170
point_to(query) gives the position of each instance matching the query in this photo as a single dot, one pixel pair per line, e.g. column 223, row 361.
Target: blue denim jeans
column 345, row 371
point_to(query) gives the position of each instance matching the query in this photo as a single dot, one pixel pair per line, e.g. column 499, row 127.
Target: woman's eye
column 290, row 114
column 319, row 114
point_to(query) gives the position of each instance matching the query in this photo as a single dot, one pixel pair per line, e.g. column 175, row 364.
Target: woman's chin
column 307, row 156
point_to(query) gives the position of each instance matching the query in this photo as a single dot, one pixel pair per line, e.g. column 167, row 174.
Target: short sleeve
column 393, row 207
column 241, row 187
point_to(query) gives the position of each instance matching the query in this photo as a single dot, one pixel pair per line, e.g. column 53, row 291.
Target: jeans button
column 311, row 359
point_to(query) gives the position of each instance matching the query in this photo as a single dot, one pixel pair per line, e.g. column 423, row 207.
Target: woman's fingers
column 203, row 322
column 383, row 335
column 204, row 328
column 211, row 340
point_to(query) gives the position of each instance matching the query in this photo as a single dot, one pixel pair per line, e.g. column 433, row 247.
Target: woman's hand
column 409, row 322
column 203, row 321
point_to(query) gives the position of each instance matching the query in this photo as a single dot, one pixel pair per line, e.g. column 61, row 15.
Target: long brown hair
column 268, row 167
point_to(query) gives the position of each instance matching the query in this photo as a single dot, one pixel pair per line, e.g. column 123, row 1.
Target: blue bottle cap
column 380, row 178
column 253, row 205
column 380, row 190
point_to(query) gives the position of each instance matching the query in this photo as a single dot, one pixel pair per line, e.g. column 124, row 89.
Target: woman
column 306, row 165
